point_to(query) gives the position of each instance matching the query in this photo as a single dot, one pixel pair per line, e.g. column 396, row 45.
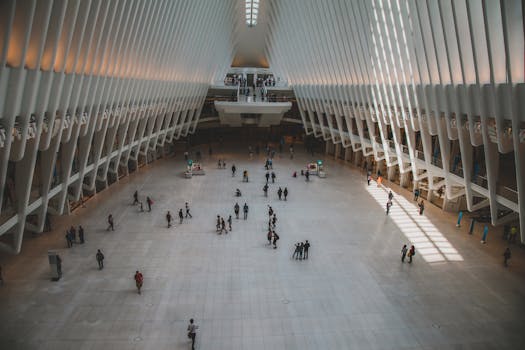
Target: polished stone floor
column 353, row 292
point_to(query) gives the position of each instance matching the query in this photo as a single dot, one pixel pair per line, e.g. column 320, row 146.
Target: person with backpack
column 100, row 259
column 411, row 254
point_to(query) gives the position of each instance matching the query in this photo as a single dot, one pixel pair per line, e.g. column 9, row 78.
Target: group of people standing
column 406, row 252
column 301, row 250
column 71, row 236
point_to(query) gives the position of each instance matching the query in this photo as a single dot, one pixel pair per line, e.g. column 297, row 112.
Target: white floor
column 353, row 292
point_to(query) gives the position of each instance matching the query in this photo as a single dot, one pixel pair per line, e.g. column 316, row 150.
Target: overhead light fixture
column 252, row 10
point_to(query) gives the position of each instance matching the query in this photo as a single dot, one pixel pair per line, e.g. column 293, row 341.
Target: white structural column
column 435, row 89
column 92, row 88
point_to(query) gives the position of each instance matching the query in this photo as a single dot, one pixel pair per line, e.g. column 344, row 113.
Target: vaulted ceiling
column 89, row 87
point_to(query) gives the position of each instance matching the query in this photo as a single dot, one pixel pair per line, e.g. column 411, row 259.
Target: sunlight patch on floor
column 426, row 237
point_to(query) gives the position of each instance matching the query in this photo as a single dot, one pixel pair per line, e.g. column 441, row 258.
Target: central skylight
column 252, row 9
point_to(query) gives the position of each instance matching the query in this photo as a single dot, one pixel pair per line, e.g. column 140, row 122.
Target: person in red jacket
column 139, row 279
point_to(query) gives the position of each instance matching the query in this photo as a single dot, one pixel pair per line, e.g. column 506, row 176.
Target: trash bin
column 55, row 265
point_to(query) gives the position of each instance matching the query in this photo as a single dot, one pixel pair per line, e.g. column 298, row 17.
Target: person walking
column 181, row 216
column 234, row 169
column 223, row 226
column 192, row 333
column 275, row 239
column 285, row 192
column 168, row 218
column 73, row 233
column 188, row 211
column 136, row 197
column 81, row 234
column 267, row 176
column 245, row 210
column 306, row 246
column 270, row 211
column 59, row 266
column 404, row 251
column 307, row 175
column 269, row 236
column 110, row 223
column 218, row 224
column 388, row 205
column 100, row 259
column 139, row 280
column 273, row 177
column 68, row 239
column 379, row 180
column 513, row 234
column 149, row 202
column 390, row 195
column 301, row 248
column 265, row 190
column 274, row 219
column 416, row 194
column 411, row 254
column 506, row 257
column 279, row 193
column 236, row 210
column 421, row 207
column 230, row 222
